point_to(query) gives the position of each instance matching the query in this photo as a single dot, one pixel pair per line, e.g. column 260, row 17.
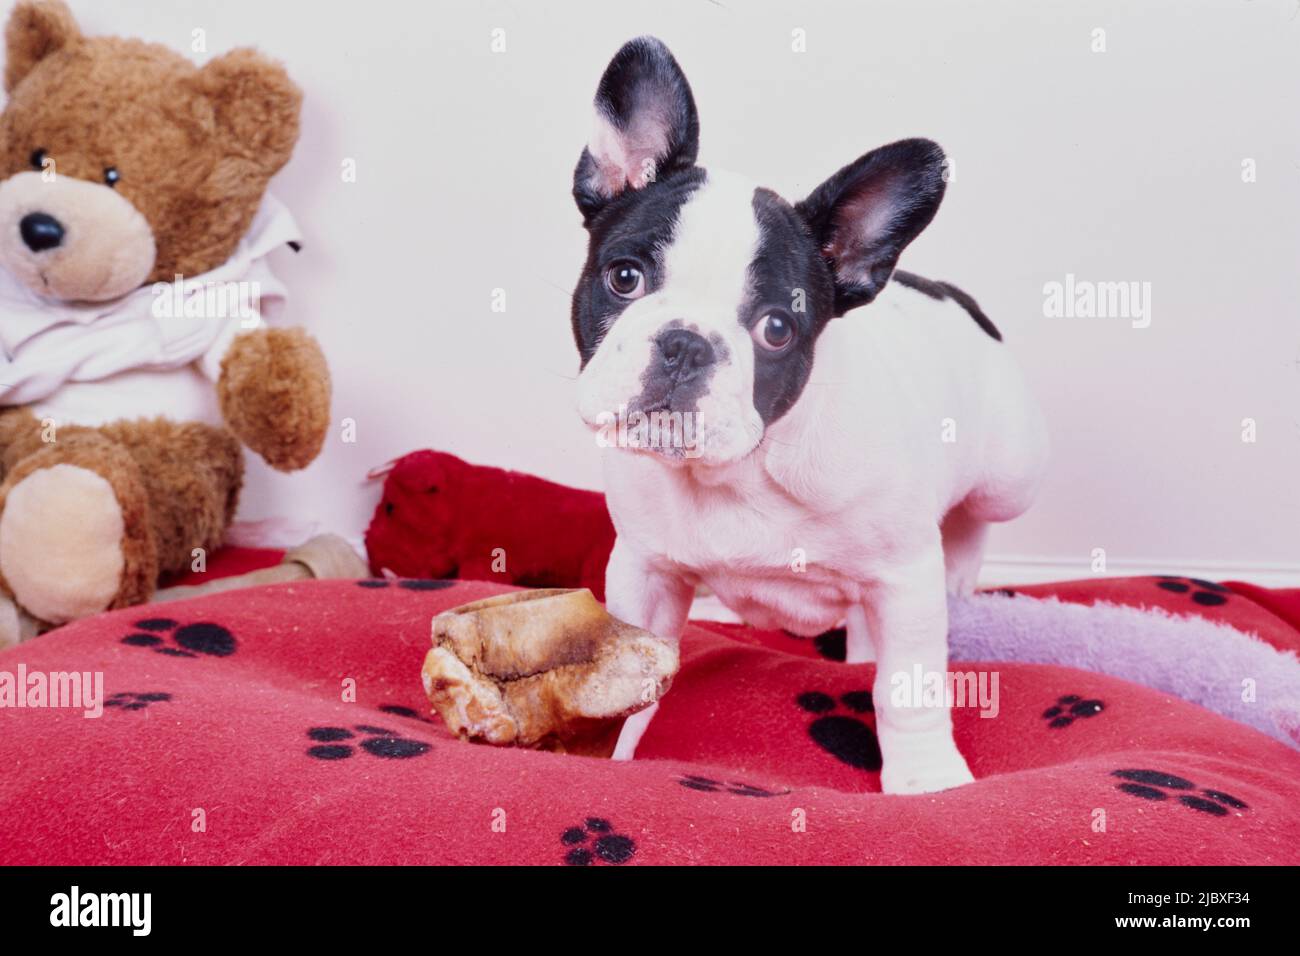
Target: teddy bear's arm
column 274, row 390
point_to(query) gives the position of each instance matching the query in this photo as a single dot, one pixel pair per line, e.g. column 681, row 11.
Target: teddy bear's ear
column 36, row 29
column 255, row 105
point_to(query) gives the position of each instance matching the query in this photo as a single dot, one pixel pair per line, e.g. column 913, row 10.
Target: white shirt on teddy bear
column 155, row 351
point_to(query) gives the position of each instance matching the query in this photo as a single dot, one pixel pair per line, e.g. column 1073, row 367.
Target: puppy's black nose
column 41, row 231
column 683, row 352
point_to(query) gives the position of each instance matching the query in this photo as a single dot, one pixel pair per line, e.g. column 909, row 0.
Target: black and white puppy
column 816, row 443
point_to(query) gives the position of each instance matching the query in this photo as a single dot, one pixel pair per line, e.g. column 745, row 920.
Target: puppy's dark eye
column 625, row 279
column 111, row 176
column 38, row 159
column 773, row 332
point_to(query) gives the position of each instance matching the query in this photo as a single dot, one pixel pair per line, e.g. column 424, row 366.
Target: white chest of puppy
column 814, row 436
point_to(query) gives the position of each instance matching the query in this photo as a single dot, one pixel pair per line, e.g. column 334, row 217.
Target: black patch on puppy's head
column 637, row 226
column 865, row 215
column 831, row 253
column 633, row 178
column 651, row 127
column 788, row 276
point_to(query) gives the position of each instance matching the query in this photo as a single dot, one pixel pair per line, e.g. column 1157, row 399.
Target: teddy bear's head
column 122, row 163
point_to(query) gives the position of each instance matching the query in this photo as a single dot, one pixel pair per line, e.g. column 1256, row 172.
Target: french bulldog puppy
column 818, row 438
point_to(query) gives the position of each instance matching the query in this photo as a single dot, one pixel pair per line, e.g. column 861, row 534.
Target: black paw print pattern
column 187, row 640
column 410, row 713
column 1204, row 593
column 1070, row 708
column 832, row 644
column 407, row 584
column 128, row 700
column 595, row 842
column 708, row 785
column 1155, row 785
column 336, row 743
column 848, row 739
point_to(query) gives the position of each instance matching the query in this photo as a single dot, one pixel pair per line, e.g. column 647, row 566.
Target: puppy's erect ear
column 255, row 105
column 36, row 29
column 866, row 214
column 646, row 126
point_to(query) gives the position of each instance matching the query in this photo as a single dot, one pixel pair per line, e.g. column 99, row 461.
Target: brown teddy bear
column 133, row 236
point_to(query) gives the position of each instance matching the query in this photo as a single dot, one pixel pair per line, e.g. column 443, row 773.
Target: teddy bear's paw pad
column 546, row 668
column 61, row 543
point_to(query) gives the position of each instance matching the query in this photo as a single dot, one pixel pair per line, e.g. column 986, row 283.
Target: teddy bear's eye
column 111, row 176
column 38, row 159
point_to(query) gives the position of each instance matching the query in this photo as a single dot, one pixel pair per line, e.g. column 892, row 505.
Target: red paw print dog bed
column 287, row 724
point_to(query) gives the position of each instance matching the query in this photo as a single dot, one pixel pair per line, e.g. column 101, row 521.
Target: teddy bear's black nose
column 41, row 231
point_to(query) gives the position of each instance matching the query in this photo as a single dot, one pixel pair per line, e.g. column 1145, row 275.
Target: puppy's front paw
column 633, row 730
column 925, row 773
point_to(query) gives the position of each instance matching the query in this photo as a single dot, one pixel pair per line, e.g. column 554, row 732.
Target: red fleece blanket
column 287, row 724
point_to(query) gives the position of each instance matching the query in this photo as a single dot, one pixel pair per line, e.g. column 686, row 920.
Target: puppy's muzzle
column 684, row 356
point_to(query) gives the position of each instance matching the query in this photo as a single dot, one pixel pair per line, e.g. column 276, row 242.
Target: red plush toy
column 441, row 517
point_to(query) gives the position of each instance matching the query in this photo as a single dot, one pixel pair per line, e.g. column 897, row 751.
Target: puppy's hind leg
column 858, row 647
column 964, row 537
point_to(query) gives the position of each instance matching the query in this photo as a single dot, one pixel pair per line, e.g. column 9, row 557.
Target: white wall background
column 1122, row 165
